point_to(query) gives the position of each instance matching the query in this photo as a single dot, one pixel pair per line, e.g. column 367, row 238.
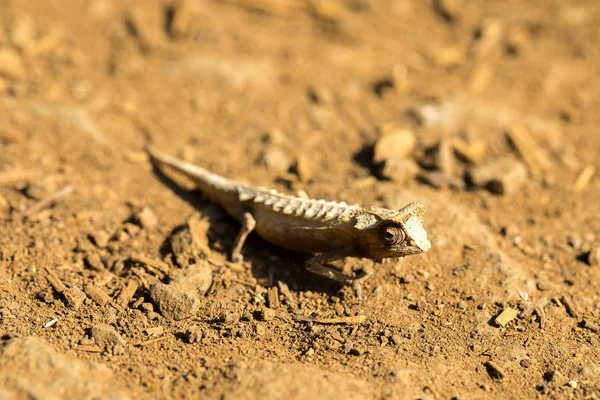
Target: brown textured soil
column 294, row 95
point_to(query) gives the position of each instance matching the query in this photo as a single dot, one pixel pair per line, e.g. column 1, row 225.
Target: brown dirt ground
column 291, row 96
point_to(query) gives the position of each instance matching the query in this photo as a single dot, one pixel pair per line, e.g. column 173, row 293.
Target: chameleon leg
column 316, row 265
column 248, row 224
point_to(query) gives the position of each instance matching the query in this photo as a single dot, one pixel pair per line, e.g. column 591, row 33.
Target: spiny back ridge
column 300, row 207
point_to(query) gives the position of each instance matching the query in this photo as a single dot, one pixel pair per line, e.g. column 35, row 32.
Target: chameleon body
column 331, row 230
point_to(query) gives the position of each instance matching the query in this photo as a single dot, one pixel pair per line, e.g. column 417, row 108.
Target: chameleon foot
column 316, row 266
column 248, row 224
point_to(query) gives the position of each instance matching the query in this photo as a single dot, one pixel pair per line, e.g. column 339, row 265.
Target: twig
column 151, row 341
column 10, row 177
column 88, row 348
column 568, row 306
column 241, row 282
column 159, row 265
column 48, row 201
column 354, row 320
column 584, row 178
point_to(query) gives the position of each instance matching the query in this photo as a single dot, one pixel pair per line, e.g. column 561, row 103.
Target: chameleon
column 327, row 230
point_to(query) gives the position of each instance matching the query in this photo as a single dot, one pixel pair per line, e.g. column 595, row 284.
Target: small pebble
column 587, row 324
column 196, row 278
column 422, row 305
column 147, row 307
column 500, row 176
column 98, row 295
column 266, row 314
column 594, row 257
column 399, row 171
column 525, row 363
column 395, row 143
column 544, row 286
column 556, row 377
column 507, row 315
column 194, row 334
column 173, row 303
column 107, row 336
column 94, row 261
column 145, row 218
column 74, row 297
column 275, row 159
column 11, row 65
column 100, row 238
column 356, row 351
column 448, row 9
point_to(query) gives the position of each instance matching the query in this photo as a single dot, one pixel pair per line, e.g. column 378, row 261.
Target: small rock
column 572, row 383
column 174, row 303
column 556, row 377
column 440, row 180
column 494, row 370
column 525, row 363
column 4, row 205
column 473, row 151
column 266, row 314
column 421, row 305
column 190, row 244
column 152, row 315
column 394, row 144
column 230, row 317
column 399, row 171
column 507, row 315
column 11, row 65
column 408, row 278
column 137, row 157
column 145, row 26
column 444, row 157
column 40, row 189
column 509, row 231
column 275, row 159
column 107, row 337
column 145, row 218
column 147, row 307
column 127, row 292
column 273, row 297
column 575, row 241
column 396, row 339
column 303, row 168
column 194, row 334
column 448, row 9
column 100, row 238
column 22, row 33
column 94, row 261
column 356, row 350
column 501, row 176
column 74, row 297
column 182, row 13
column 98, row 295
column 196, row 278
column 587, row 324
column 449, row 57
column 260, row 330
column 594, row 257
column 544, row 286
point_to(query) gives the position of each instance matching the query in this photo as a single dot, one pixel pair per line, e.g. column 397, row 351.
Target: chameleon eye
column 392, row 234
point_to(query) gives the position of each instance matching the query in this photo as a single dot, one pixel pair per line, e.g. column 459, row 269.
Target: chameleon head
column 396, row 233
